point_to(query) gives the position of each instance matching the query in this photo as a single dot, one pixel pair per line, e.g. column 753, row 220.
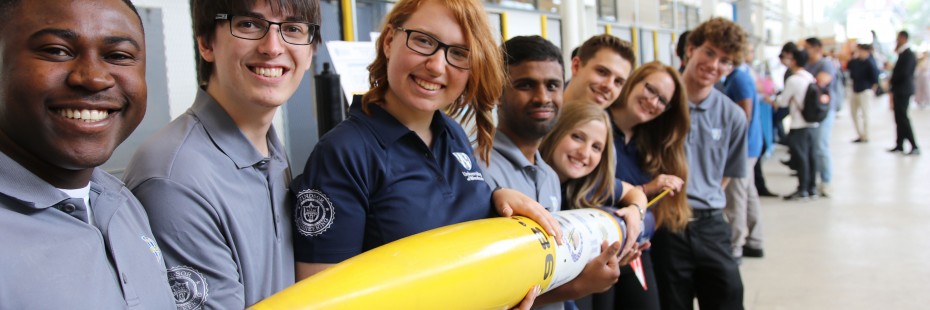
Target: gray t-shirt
column 220, row 207
column 510, row 169
column 53, row 259
column 825, row 65
column 716, row 148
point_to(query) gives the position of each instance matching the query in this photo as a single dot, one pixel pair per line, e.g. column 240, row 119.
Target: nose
column 90, row 72
column 436, row 63
column 273, row 42
column 541, row 95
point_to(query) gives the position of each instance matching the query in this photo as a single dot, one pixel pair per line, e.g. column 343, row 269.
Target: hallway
column 865, row 247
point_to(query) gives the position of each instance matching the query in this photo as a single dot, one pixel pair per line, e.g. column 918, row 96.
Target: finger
column 556, row 229
column 507, row 211
column 527, row 302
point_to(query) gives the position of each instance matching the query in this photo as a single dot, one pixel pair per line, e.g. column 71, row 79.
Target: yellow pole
column 348, row 18
column 635, row 33
column 504, row 34
column 543, row 26
column 655, row 45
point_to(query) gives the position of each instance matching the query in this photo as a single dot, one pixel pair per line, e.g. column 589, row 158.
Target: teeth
column 268, row 72
column 84, row 115
column 427, row 85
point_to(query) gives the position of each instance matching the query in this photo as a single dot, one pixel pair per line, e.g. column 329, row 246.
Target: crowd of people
column 209, row 214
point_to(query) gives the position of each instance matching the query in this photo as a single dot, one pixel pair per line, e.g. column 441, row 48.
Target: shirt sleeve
column 736, row 153
column 200, row 263
column 744, row 87
column 331, row 203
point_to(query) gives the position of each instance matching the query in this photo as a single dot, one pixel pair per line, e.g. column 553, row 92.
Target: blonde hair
column 661, row 143
column 594, row 189
column 486, row 66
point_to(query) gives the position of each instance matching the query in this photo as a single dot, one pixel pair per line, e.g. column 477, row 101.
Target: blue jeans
column 823, row 148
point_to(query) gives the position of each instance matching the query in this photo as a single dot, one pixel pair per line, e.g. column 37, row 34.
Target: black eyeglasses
column 652, row 93
column 427, row 45
column 255, row 28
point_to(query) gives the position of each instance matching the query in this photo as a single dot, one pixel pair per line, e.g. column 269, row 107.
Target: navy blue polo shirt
column 371, row 180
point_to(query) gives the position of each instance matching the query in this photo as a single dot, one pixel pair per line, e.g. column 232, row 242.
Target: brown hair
column 593, row 190
column 661, row 143
column 723, row 34
column 486, row 66
column 203, row 15
column 594, row 44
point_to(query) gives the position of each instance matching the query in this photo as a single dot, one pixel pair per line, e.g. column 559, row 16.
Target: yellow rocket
column 482, row 264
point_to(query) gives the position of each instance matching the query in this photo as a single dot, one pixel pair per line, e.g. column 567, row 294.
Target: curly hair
column 486, row 65
column 661, row 142
column 723, row 34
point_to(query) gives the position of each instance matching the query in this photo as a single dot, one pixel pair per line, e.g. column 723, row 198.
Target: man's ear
column 576, row 65
column 205, row 49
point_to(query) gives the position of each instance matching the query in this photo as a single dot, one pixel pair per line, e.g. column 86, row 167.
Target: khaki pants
column 859, row 106
column 743, row 210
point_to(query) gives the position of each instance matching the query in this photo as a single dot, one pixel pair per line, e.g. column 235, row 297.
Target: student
column 824, row 71
column 803, row 135
column 697, row 261
column 214, row 181
column 409, row 167
column 649, row 123
column 864, row 75
column 529, row 107
column 598, row 72
column 72, row 88
column 743, row 208
column 579, row 149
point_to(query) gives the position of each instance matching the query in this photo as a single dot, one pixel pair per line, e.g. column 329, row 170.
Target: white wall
column 179, row 50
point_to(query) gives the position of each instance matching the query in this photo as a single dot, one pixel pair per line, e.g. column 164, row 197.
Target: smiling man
column 697, row 262
column 214, row 181
column 603, row 64
column 72, row 88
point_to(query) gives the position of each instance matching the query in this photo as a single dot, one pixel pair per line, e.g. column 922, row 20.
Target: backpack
column 816, row 103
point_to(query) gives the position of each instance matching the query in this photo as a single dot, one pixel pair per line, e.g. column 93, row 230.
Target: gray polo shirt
column 510, row 169
column 219, row 208
column 716, row 148
column 53, row 259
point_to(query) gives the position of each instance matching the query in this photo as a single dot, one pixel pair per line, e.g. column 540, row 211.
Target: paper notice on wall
column 351, row 60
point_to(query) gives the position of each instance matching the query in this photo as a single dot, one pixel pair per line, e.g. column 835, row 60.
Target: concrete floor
column 865, row 247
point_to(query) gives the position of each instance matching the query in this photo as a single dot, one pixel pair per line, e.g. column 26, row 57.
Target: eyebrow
column 71, row 35
column 286, row 19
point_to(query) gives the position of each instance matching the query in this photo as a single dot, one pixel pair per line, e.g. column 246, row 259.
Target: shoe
column 914, row 152
column 787, row 162
column 797, row 196
column 767, row 194
column 896, row 149
column 825, row 190
column 752, row 252
column 861, row 140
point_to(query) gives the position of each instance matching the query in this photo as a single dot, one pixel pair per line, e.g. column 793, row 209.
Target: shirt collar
column 708, row 103
column 387, row 128
column 510, row 150
column 227, row 136
column 902, row 48
column 21, row 184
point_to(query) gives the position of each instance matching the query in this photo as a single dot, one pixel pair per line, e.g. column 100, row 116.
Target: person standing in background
column 864, row 75
column 824, row 72
column 922, row 81
column 743, row 208
column 901, row 89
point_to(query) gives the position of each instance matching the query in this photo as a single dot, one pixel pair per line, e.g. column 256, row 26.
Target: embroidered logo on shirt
column 153, row 247
column 314, row 214
column 716, row 133
column 189, row 287
column 464, row 159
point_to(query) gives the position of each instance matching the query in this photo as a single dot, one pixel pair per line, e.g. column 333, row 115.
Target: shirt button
column 68, row 208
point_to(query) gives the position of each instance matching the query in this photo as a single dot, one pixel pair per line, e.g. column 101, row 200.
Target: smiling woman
column 410, row 167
